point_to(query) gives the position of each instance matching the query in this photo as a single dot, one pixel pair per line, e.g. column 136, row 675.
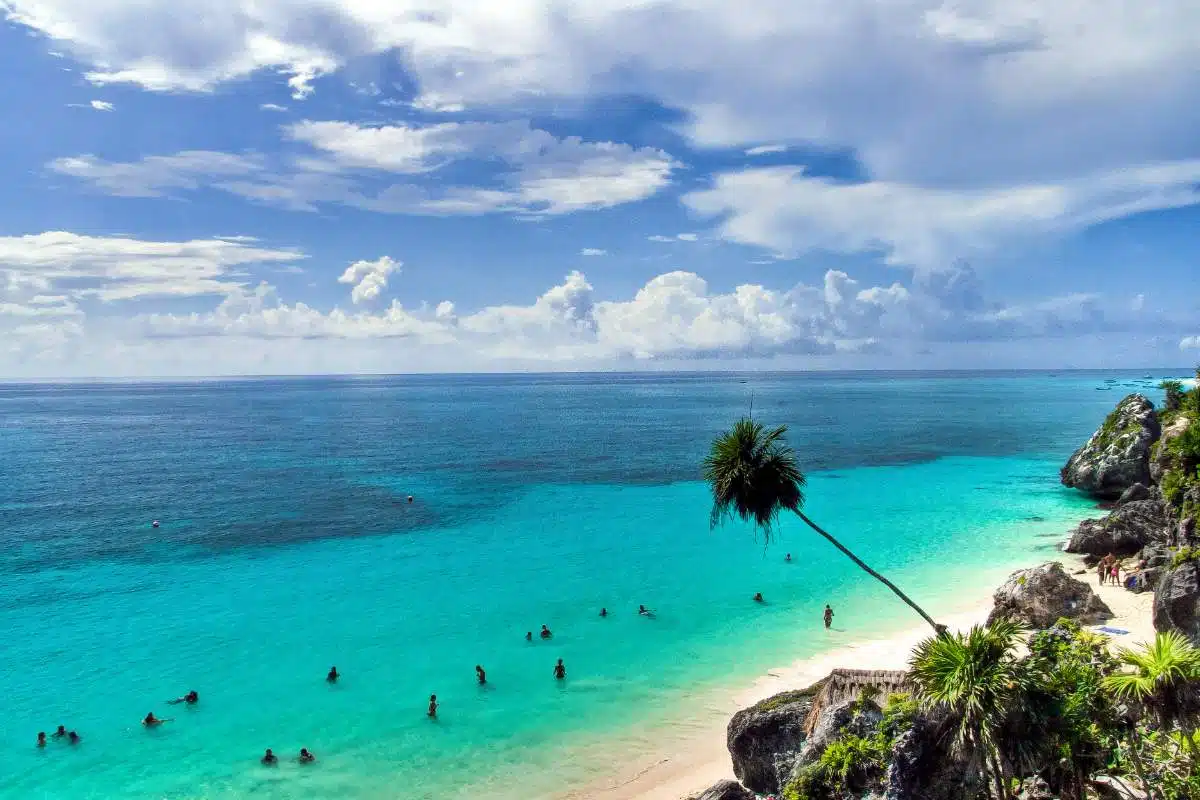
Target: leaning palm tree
column 1165, row 675
column 754, row 476
column 978, row 680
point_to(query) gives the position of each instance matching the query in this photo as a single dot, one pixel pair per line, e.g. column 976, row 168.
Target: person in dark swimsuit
column 333, row 675
column 758, row 598
column 61, row 732
column 41, row 739
column 306, row 757
column 529, row 636
column 73, row 737
column 269, row 758
column 480, row 675
column 546, row 634
column 645, row 612
column 433, row 706
column 152, row 721
column 191, row 698
column 604, row 612
column 560, row 672
column 828, row 616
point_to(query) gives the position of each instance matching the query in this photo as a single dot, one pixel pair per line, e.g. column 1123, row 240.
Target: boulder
column 1039, row 596
column 1123, row 532
column 725, row 790
column 923, row 766
column 851, row 716
column 765, row 739
column 1035, row 788
column 1118, row 454
column 1160, row 460
column 1139, row 491
column 1177, row 600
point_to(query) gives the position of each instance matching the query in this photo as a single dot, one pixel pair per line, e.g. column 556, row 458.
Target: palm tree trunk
column 997, row 775
column 1138, row 769
column 940, row 629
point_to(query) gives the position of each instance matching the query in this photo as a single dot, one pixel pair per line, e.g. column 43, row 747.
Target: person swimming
column 828, row 616
column 333, row 675
column 480, row 675
column 758, row 598
column 73, row 737
column 61, row 732
column 41, row 739
column 645, row 612
column 433, row 706
column 191, row 698
column 269, row 758
column 546, row 634
column 154, row 524
column 410, row 498
column 788, row 557
column 560, row 672
column 529, row 636
column 306, row 757
column 604, row 612
column 152, row 721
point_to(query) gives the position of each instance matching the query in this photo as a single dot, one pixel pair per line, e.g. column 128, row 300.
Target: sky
column 225, row 187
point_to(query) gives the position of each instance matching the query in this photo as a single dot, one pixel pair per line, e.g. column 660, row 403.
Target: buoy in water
column 410, row 498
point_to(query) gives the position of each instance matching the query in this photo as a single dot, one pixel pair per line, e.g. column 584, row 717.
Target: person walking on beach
column 828, row 616
column 480, row 675
column 433, row 706
column 560, row 672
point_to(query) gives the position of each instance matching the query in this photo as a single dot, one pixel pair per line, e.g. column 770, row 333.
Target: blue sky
column 226, row 187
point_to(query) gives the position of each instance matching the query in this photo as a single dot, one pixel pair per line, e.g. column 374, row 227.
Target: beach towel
column 1107, row 629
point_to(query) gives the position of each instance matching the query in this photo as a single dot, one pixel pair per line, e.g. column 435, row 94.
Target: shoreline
column 699, row 758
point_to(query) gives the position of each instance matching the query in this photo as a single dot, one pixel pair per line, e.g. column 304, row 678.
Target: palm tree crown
column 1164, row 674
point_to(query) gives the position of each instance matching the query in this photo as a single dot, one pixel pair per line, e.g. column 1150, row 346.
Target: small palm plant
column 978, row 680
column 1165, row 675
column 754, row 476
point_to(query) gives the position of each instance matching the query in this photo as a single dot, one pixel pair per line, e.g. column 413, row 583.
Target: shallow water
column 287, row 545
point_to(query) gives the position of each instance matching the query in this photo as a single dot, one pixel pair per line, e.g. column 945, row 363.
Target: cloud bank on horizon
column 598, row 184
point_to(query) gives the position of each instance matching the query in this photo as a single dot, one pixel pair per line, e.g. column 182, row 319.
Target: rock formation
column 1128, row 529
column 1160, row 460
column 1118, row 454
column 725, row 790
column 765, row 739
column 1177, row 600
column 1039, row 596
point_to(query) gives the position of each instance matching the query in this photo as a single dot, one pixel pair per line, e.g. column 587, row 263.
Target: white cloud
column 272, row 107
column 69, row 266
column 533, row 172
column 767, row 149
column 154, row 175
column 369, row 278
column 679, row 237
column 785, row 210
column 101, row 105
column 687, row 237
column 1037, row 95
column 1189, row 343
column 593, row 251
column 1138, row 302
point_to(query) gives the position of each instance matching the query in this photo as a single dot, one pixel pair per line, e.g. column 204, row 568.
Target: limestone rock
column 1118, row 454
column 1177, row 601
column 1123, row 532
column 1039, row 596
column 922, row 765
column 1139, row 491
column 765, row 739
column 1160, row 461
column 725, row 790
column 851, row 716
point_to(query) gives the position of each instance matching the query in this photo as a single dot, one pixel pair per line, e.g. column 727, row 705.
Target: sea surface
column 287, row 545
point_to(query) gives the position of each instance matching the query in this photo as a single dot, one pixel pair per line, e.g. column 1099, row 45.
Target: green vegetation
column 755, row 476
column 1174, row 395
column 1183, row 555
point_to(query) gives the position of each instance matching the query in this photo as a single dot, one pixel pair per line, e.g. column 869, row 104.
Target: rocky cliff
column 1118, row 454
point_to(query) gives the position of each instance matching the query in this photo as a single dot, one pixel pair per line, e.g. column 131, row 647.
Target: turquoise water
column 287, row 546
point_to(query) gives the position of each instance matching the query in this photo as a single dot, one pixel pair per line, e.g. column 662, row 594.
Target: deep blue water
column 287, row 544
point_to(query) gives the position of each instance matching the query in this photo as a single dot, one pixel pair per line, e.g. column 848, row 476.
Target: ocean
column 287, row 545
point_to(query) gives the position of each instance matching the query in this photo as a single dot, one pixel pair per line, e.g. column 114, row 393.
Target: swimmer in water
column 73, row 737
column 604, row 612
column 645, row 612
column 546, row 634
column 269, row 758
column 306, row 757
column 529, row 636
column 480, row 675
column 758, row 598
column 191, row 698
column 41, row 739
column 433, row 706
column 61, row 732
column 152, row 721
column 828, row 616
column 154, row 524
column 410, row 498
column 333, row 675
column 560, row 672
column 788, row 557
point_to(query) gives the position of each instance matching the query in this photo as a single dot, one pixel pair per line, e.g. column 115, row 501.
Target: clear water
column 287, row 546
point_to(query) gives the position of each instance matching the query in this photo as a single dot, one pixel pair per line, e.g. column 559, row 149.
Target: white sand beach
column 698, row 757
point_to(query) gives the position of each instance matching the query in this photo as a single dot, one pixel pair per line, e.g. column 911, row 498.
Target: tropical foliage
column 755, row 476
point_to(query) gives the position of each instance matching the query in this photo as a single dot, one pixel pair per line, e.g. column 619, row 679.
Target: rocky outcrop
column 922, row 765
column 765, row 740
column 1128, row 529
column 1177, row 601
column 1039, row 596
column 725, row 790
column 1160, row 460
column 849, row 717
column 1118, row 454
column 1139, row 491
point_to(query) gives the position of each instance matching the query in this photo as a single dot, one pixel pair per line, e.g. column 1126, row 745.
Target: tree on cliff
column 1174, row 395
column 1165, row 675
column 978, row 679
column 754, row 476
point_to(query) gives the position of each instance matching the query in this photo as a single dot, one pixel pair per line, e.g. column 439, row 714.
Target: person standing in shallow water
column 333, row 675
column 560, row 672
column 433, row 706
column 828, row 616
column 480, row 674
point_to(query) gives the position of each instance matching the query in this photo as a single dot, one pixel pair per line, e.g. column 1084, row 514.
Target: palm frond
column 753, row 475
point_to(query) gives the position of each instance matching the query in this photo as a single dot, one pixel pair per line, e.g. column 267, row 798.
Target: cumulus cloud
column 593, row 251
column 101, row 105
column 1189, row 343
column 525, row 171
column 272, row 107
column 369, row 278
column 789, row 212
column 767, row 149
